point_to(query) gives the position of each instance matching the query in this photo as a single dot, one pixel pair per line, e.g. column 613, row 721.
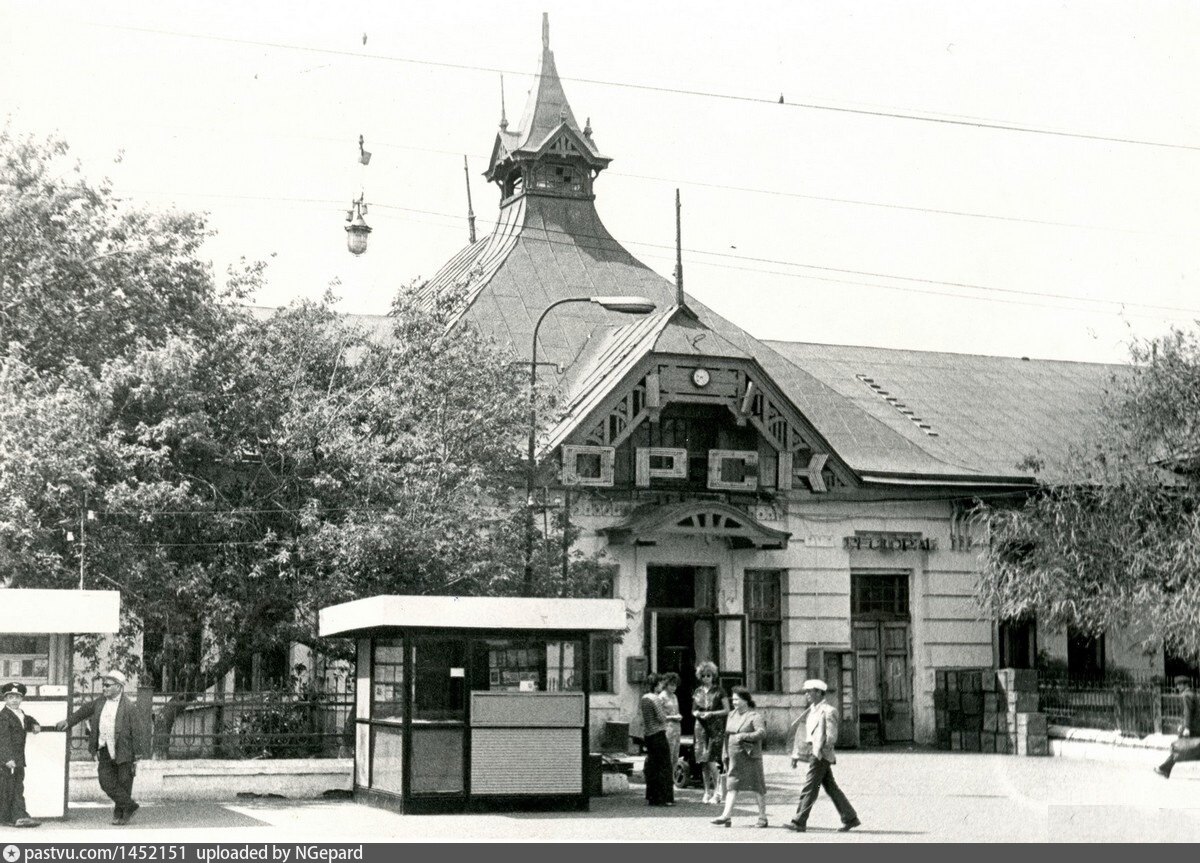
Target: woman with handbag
column 710, row 709
column 744, row 733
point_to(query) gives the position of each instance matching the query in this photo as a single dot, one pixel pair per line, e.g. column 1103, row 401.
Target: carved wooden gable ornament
column 743, row 387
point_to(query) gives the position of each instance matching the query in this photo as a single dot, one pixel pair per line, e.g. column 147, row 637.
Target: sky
column 1018, row 178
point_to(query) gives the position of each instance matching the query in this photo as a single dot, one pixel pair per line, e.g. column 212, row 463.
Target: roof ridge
column 940, row 353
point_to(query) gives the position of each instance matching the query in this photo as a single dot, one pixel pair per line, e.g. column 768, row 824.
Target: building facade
column 782, row 509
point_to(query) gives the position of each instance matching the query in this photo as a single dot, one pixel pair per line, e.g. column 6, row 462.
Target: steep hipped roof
column 548, row 117
column 547, row 107
column 989, row 412
column 548, row 246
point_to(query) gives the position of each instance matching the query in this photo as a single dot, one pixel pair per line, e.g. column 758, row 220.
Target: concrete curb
column 215, row 780
column 1090, row 744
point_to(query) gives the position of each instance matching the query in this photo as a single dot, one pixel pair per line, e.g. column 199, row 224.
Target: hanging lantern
column 358, row 229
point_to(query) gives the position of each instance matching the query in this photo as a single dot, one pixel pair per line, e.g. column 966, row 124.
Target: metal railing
column 1126, row 704
column 295, row 722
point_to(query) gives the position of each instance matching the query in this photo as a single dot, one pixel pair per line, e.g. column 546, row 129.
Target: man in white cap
column 814, row 743
column 116, row 741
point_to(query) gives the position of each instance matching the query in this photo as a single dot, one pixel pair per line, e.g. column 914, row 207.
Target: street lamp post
column 628, row 305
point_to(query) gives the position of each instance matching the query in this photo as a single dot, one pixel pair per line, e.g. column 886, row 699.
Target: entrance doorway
column 684, row 629
column 882, row 642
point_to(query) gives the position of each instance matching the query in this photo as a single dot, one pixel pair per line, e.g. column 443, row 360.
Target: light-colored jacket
column 820, row 733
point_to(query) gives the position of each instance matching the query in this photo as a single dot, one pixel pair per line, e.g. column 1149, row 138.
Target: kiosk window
column 602, row 664
column 387, row 697
column 25, row 657
column 528, row 665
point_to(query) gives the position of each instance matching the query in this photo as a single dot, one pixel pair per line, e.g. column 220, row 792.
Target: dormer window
column 514, row 183
column 560, row 178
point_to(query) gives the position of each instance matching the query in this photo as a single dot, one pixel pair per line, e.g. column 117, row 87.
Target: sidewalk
column 900, row 796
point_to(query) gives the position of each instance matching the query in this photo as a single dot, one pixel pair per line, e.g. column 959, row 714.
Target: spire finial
column 503, row 111
column 470, row 209
column 587, row 128
column 546, row 30
column 679, row 300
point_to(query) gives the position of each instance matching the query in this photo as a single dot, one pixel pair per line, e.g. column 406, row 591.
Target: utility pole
column 83, row 516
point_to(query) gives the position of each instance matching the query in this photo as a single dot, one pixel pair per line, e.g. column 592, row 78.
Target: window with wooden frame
column 602, row 648
column 764, row 614
column 879, row 595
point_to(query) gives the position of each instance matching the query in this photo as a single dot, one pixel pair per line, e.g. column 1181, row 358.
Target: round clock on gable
column 700, row 377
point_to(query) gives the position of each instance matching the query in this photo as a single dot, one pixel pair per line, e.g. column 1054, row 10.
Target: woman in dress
column 660, row 784
column 710, row 709
column 744, row 733
column 670, row 702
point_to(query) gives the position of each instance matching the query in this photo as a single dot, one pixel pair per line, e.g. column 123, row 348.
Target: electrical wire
column 748, row 258
column 970, row 214
column 732, row 97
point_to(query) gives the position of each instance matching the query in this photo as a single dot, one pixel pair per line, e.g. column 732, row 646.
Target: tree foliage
column 245, row 467
column 1118, row 543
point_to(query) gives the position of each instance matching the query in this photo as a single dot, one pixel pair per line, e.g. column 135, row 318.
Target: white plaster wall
column 948, row 628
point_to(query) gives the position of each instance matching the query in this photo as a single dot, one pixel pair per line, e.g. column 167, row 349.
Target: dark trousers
column 1183, row 749
column 116, row 780
column 820, row 775
column 12, row 795
column 660, row 779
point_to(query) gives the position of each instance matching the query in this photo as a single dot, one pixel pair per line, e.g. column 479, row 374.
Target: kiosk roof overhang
column 52, row 612
column 472, row 612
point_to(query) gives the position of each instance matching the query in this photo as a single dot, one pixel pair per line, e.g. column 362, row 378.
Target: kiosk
column 472, row 703
column 37, row 636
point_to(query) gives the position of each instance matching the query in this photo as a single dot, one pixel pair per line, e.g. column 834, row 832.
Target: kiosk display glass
column 25, row 658
column 527, row 665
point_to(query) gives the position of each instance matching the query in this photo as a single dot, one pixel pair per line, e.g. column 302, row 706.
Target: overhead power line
column 654, row 88
column 677, row 181
column 746, row 258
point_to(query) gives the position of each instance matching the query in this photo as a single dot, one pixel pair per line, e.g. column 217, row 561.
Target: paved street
column 900, row 796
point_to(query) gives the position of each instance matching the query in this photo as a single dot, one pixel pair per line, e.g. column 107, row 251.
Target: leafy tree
column 246, row 468
column 1117, row 544
column 84, row 276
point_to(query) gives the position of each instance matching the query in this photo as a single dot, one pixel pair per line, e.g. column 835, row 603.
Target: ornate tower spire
column 548, row 153
column 503, row 110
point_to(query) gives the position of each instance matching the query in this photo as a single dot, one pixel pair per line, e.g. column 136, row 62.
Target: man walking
column 14, row 725
column 116, row 740
column 1187, row 747
column 814, row 743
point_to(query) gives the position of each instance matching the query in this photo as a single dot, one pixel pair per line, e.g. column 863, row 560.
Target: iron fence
column 285, row 722
column 1134, row 707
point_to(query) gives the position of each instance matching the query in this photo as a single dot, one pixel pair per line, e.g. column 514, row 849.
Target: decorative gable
column 795, row 456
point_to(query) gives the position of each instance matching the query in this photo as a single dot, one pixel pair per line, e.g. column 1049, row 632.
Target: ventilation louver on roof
column 898, row 405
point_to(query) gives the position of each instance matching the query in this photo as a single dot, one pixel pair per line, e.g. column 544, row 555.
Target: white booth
column 472, row 703
column 37, row 633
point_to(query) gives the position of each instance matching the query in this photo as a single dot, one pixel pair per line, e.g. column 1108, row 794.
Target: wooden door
column 896, row 682
column 865, row 642
column 837, row 669
column 881, row 652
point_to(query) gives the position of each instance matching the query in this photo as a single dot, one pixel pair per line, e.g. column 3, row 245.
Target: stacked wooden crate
column 1022, row 726
column 984, row 710
column 958, row 708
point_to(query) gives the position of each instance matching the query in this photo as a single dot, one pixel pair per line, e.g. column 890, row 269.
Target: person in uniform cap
column 15, row 724
column 814, row 743
column 116, row 738
column 1187, row 747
